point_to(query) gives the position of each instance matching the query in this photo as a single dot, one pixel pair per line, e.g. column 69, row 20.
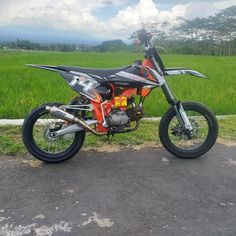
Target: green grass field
column 23, row 88
column 145, row 137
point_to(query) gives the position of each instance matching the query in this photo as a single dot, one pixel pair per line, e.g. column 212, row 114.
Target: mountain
column 224, row 22
column 220, row 27
column 46, row 35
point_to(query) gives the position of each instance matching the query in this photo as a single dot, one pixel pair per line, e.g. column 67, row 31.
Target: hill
column 219, row 27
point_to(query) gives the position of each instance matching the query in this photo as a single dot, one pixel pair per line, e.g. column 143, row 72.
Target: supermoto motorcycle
column 106, row 105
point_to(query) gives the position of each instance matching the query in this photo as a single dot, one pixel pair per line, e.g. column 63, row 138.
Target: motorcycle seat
column 95, row 72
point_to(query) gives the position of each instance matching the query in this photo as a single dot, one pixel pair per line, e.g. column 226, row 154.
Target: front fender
column 182, row 71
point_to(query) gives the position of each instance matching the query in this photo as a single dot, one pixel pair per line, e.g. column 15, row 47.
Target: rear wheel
column 175, row 139
column 38, row 136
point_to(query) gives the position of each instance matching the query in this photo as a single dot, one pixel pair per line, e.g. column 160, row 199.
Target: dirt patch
column 116, row 148
column 104, row 148
column 32, row 163
column 16, row 138
column 146, row 146
column 226, row 142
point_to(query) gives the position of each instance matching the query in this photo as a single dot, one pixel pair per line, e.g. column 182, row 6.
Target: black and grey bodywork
column 85, row 80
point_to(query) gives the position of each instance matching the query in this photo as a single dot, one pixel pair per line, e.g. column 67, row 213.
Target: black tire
column 27, row 135
column 206, row 145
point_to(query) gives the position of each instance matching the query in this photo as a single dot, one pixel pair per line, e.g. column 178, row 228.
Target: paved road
column 148, row 192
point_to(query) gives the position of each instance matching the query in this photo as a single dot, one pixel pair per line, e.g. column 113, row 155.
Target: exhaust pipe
column 71, row 118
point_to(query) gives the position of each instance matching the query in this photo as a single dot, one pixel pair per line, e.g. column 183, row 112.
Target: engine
column 119, row 109
column 117, row 118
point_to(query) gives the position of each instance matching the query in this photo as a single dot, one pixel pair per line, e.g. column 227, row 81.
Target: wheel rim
column 43, row 135
column 179, row 137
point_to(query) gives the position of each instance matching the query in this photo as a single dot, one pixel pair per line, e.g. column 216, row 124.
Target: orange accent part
column 98, row 97
column 121, row 101
column 107, row 108
column 145, row 91
column 150, row 77
column 98, row 116
column 148, row 63
column 129, row 92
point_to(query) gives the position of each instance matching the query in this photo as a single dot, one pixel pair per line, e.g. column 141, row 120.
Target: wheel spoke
column 41, row 134
column 49, row 146
column 179, row 137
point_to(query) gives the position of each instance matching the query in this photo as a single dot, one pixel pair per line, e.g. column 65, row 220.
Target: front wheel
column 204, row 134
column 37, row 132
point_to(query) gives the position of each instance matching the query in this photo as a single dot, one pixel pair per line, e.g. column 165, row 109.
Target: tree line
column 27, row 45
column 191, row 46
column 204, row 47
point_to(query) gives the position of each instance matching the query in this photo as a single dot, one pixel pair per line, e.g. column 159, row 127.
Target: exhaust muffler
column 71, row 118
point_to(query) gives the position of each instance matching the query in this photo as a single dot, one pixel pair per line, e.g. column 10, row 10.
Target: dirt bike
column 107, row 105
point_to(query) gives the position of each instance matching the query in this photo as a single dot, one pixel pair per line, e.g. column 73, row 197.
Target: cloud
column 78, row 15
column 205, row 8
column 224, row 4
column 145, row 12
column 52, row 13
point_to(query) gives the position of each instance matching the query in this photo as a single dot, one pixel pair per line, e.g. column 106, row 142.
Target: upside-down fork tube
column 182, row 117
column 71, row 118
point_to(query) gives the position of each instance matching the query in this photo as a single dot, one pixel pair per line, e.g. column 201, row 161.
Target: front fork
column 180, row 112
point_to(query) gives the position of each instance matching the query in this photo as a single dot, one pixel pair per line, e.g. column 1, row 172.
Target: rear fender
column 80, row 82
column 46, row 67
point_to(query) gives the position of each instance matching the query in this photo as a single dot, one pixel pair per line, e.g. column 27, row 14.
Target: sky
column 104, row 19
